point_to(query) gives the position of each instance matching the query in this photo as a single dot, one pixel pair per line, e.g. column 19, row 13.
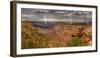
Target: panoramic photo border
column 16, row 29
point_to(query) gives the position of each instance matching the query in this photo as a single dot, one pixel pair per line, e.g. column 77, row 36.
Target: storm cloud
column 30, row 14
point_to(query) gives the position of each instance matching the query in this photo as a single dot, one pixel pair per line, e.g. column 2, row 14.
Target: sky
column 31, row 14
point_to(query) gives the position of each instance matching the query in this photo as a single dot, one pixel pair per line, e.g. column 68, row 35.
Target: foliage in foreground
column 36, row 40
column 76, row 42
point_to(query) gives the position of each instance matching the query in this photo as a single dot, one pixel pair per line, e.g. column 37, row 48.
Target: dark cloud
column 38, row 14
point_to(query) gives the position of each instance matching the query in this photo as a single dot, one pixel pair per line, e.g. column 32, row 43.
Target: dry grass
column 61, row 35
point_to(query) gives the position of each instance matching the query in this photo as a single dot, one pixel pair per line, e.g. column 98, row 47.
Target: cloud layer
column 30, row 14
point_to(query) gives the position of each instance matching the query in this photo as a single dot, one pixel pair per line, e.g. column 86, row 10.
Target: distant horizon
column 30, row 14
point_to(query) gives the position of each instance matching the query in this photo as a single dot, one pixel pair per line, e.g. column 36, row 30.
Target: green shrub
column 76, row 41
